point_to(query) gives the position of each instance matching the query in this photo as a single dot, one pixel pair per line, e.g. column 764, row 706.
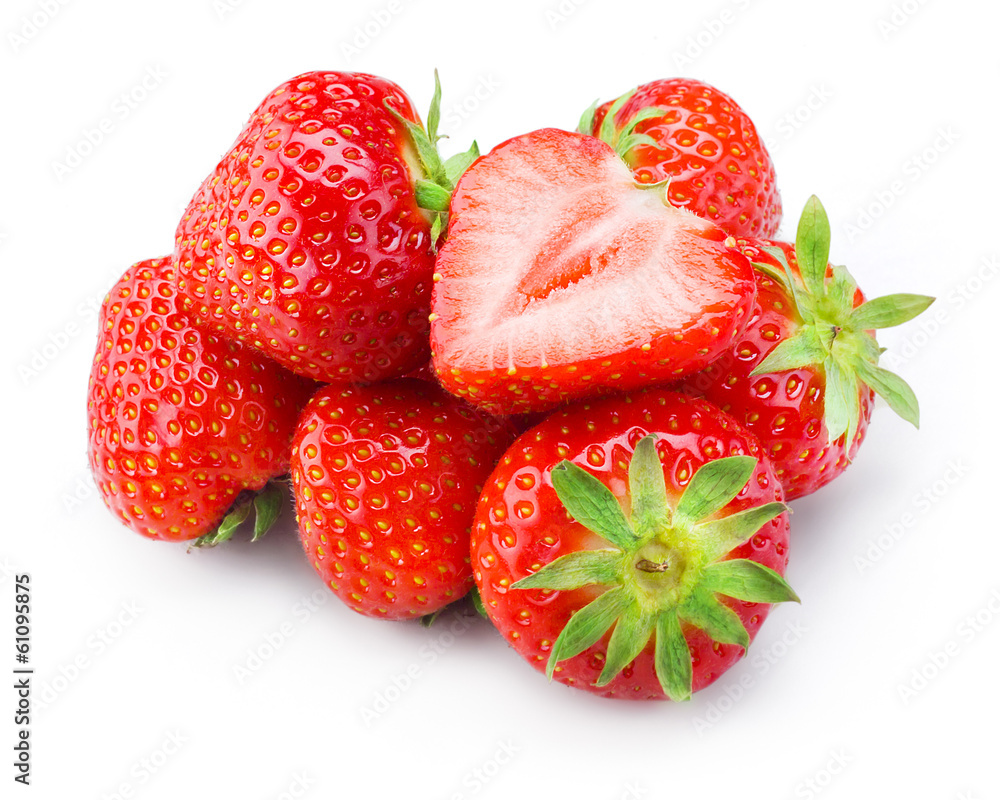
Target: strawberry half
column 309, row 242
column 699, row 139
column 804, row 375
column 184, row 425
column 561, row 277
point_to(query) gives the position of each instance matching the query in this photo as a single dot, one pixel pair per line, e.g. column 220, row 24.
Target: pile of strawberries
column 574, row 378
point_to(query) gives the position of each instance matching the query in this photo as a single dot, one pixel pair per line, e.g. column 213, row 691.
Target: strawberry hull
column 784, row 409
column 804, row 374
column 521, row 528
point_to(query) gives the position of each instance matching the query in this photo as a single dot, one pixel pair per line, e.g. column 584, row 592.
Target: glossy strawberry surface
column 561, row 278
column 708, row 148
column 521, row 526
column 306, row 241
column 181, row 421
column 386, row 479
column 784, row 409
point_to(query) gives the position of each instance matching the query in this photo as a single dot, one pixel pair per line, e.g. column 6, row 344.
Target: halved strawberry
column 562, row 277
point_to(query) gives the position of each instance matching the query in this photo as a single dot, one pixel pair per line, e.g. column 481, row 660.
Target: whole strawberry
column 308, row 241
column 563, row 278
column 183, row 424
column 804, row 375
column 632, row 547
column 386, row 479
column 699, row 139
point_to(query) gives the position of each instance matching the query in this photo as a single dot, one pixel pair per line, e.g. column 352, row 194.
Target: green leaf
column 889, row 311
column 427, row 620
column 592, row 504
column 628, row 139
column 588, row 625
column 673, row 658
column 586, row 124
column 841, row 290
column 432, row 196
column 573, row 570
column 637, row 119
column 434, row 114
column 236, row 517
column 812, row 246
column 777, row 254
column 632, row 141
column 437, row 226
column 631, row 633
column 427, row 154
column 648, row 488
column 704, row 610
column 747, row 580
column 477, row 602
column 803, row 349
column 720, row 536
column 777, row 275
column 714, row 485
column 267, row 508
column 893, row 389
column 456, row 166
column 799, row 297
column 840, row 402
column 609, row 133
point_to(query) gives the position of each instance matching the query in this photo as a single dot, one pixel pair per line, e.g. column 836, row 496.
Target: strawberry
column 386, row 479
column 804, row 374
column 632, row 547
column 308, row 240
column 561, row 277
column 183, row 424
column 699, row 139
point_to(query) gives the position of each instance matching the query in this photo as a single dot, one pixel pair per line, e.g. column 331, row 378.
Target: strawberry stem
column 434, row 189
column 665, row 564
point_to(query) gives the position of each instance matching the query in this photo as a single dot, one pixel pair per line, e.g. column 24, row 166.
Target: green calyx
column 833, row 334
column 433, row 190
column 665, row 566
column 623, row 138
column 266, row 506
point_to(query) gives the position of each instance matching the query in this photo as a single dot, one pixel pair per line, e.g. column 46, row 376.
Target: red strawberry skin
column 181, row 421
column 561, row 279
column 521, row 526
column 710, row 150
column 386, row 479
column 306, row 241
column 785, row 410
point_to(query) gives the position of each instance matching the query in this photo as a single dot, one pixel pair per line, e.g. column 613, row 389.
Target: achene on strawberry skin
column 183, row 423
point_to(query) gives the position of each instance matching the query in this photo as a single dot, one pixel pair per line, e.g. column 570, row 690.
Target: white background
column 136, row 644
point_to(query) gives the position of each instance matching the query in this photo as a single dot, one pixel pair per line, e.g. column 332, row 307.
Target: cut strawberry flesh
column 556, row 258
